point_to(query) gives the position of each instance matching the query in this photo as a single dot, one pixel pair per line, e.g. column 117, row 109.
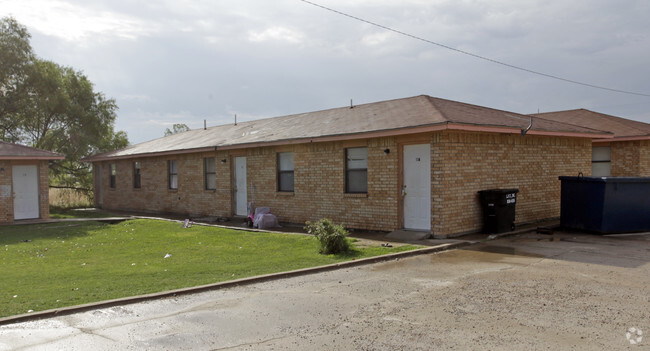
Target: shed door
column 240, row 186
column 25, row 183
column 417, row 187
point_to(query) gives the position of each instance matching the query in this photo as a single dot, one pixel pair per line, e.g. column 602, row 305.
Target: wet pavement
column 528, row 291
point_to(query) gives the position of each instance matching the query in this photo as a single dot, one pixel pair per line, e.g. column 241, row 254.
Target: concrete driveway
column 530, row 291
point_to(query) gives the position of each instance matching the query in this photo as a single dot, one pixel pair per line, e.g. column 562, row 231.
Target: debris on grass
column 168, row 256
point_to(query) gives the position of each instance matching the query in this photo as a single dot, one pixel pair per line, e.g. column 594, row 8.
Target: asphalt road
column 526, row 292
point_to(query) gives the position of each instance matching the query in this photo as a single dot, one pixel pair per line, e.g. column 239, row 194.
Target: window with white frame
column 356, row 170
column 285, row 171
column 601, row 161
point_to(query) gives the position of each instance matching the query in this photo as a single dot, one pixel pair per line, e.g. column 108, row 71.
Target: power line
column 475, row 55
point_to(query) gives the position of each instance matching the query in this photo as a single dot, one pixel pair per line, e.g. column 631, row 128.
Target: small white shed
column 24, row 182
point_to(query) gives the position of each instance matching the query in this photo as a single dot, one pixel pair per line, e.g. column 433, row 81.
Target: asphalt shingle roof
column 10, row 151
column 619, row 127
column 390, row 116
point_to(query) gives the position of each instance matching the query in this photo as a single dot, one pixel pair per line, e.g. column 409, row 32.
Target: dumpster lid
column 605, row 179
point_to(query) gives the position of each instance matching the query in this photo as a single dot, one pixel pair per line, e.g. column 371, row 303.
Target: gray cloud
column 184, row 61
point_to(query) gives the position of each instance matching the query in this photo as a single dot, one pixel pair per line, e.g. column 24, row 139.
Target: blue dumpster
column 605, row 204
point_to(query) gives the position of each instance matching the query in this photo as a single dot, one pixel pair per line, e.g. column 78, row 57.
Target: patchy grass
column 69, row 198
column 63, row 264
column 62, row 212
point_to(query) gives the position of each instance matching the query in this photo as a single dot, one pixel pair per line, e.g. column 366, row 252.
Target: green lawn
column 63, row 264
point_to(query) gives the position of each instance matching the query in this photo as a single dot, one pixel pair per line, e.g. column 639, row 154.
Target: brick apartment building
column 24, row 182
column 626, row 154
column 414, row 163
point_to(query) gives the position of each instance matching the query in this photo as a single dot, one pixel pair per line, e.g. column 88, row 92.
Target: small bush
column 332, row 237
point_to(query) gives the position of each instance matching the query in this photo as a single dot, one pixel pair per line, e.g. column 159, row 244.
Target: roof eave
column 17, row 157
column 615, row 139
column 100, row 158
column 359, row 135
column 416, row 130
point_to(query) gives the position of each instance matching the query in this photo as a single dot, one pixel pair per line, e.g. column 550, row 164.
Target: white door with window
column 241, row 197
column 416, row 190
column 25, row 184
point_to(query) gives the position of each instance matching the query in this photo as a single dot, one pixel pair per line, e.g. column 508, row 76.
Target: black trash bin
column 498, row 209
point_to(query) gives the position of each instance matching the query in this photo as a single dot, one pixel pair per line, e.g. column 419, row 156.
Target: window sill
column 355, row 195
column 284, row 193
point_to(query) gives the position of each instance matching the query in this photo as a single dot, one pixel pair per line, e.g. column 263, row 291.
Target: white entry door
column 416, row 190
column 241, row 197
column 25, row 183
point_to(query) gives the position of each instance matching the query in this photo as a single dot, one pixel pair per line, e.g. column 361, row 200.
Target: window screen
column 136, row 175
column 210, row 170
column 112, row 174
column 285, row 171
column 356, row 170
column 172, row 168
column 601, row 164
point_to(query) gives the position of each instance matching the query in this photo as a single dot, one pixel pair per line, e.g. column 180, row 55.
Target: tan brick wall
column 319, row 186
column 464, row 163
column 644, row 158
column 6, row 189
column 190, row 198
column 6, row 200
column 630, row 158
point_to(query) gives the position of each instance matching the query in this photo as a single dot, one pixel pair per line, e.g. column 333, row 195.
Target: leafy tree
column 15, row 57
column 177, row 128
column 55, row 108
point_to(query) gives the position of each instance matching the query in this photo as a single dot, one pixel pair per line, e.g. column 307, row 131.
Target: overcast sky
column 182, row 61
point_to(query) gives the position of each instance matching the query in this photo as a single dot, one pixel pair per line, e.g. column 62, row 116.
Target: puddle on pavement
column 481, row 253
column 503, row 250
column 473, row 253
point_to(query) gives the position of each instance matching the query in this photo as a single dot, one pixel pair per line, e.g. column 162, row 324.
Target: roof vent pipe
column 235, row 119
column 205, row 124
column 351, row 106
